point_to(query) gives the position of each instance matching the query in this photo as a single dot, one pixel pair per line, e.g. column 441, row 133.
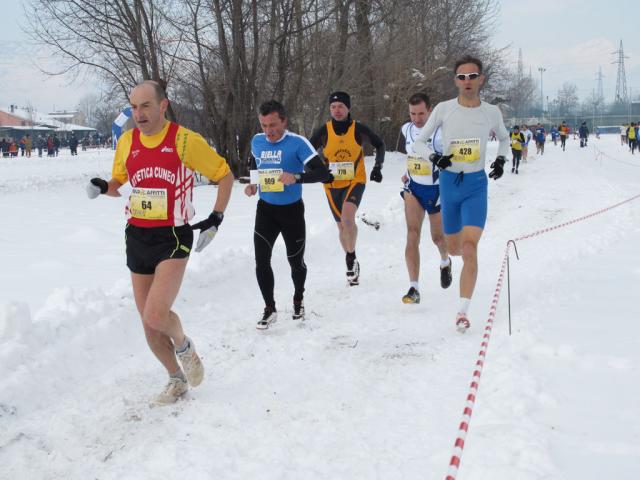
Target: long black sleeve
column 319, row 137
column 374, row 140
column 315, row 170
column 401, row 145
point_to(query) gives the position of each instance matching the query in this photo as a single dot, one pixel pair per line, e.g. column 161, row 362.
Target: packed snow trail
column 366, row 387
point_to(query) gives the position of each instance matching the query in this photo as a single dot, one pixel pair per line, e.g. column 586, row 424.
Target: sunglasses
column 464, row 76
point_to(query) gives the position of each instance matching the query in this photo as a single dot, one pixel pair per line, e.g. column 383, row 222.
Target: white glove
column 205, row 238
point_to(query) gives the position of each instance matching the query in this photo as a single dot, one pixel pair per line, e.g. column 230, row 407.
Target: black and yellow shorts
column 147, row 247
column 337, row 196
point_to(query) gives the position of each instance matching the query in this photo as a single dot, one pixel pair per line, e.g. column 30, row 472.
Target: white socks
column 464, row 305
column 415, row 285
column 184, row 347
column 445, row 263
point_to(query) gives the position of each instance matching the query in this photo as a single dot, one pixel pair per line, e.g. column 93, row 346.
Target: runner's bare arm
column 114, row 185
column 225, row 184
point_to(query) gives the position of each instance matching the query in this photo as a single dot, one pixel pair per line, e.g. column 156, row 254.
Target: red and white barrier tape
column 463, row 429
column 545, row 230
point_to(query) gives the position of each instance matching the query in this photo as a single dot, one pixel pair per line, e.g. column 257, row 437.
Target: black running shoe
column 445, row 275
column 412, row 296
column 269, row 316
column 298, row 310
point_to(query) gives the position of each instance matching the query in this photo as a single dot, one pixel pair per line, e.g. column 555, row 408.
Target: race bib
column 418, row 166
column 148, row 203
column 269, row 180
column 466, row 150
column 342, row 170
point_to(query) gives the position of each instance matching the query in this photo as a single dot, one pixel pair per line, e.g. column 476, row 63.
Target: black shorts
column 147, row 247
column 337, row 196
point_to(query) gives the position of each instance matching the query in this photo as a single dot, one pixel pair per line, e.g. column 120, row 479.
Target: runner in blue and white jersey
column 281, row 162
column 421, row 193
column 466, row 124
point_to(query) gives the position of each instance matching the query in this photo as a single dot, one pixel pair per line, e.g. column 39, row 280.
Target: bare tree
column 567, row 99
column 123, row 40
column 220, row 58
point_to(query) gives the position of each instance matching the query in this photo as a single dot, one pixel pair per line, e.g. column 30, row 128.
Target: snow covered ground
column 366, row 387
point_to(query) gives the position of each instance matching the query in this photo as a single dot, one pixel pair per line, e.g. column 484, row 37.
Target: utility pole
column 600, row 93
column 541, row 70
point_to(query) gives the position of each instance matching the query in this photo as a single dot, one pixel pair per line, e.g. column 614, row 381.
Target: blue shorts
column 463, row 199
column 428, row 196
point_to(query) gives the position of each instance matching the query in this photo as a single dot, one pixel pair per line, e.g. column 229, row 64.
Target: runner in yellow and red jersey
column 158, row 159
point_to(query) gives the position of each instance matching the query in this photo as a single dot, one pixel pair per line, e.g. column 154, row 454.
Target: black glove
column 213, row 220
column 329, row 179
column 496, row 166
column 97, row 186
column 441, row 161
column 376, row 174
column 208, row 229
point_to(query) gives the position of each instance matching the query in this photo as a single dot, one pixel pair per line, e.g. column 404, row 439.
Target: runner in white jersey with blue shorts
column 466, row 124
column 421, row 193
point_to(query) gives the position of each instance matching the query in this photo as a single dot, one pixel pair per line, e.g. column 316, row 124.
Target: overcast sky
column 570, row 38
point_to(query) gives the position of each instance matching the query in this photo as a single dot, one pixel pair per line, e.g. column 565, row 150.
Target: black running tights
column 271, row 221
column 517, row 155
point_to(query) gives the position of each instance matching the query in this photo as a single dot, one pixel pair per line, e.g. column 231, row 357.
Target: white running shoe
column 353, row 275
column 191, row 365
column 268, row 317
column 176, row 388
column 462, row 322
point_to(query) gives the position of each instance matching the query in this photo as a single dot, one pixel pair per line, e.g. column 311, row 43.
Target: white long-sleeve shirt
column 465, row 132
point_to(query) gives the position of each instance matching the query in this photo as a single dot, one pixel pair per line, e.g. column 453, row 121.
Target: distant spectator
column 56, row 144
column 13, row 148
column 40, row 144
column 50, row 146
column 28, row 144
column 22, row 144
column 73, row 144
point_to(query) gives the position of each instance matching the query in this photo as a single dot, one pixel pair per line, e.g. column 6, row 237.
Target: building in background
column 16, row 122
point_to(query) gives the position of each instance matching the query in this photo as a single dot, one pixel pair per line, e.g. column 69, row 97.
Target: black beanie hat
column 340, row 97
